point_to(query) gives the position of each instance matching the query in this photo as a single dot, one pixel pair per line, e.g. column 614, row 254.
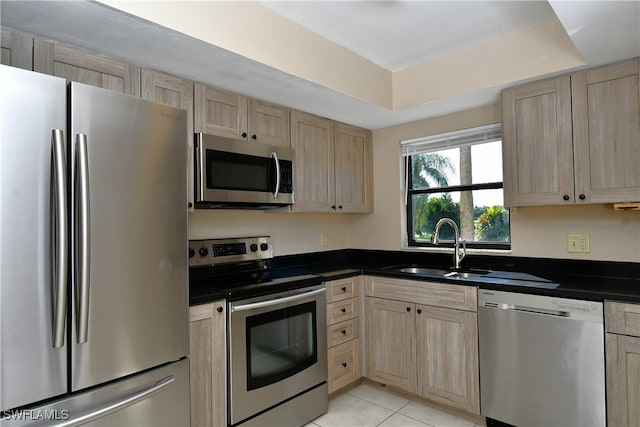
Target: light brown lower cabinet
column 343, row 332
column 207, row 355
column 420, row 348
column 623, row 364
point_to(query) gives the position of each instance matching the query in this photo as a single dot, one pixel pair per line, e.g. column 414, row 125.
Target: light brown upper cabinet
column 353, row 169
column 228, row 114
column 606, row 133
column 175, row 92
column 16, row 49
column 333, row 165
column 574, row 138
column 86, row 67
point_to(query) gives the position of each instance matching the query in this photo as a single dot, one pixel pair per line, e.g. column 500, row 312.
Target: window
column 457, row 175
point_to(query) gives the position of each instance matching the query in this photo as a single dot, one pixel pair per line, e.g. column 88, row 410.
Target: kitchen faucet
column 458, row 254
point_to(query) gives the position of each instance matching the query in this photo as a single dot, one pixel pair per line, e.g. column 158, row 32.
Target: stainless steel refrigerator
column 93, row 256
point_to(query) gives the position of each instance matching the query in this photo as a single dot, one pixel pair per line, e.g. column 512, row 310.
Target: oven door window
column 280, row 343
column 234, row 171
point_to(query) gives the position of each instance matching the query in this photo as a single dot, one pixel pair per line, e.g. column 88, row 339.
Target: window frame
column 443, row 142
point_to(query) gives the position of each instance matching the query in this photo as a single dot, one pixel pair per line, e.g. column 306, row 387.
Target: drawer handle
column 344, row 332
column 344, row 289
column 419, row 311
column 344, row 364
column 344, row 310
column 408, row 308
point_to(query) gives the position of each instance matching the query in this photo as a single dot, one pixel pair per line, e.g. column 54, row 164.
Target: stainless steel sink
column 421, row 270
column 466, row 274
column 454, row 274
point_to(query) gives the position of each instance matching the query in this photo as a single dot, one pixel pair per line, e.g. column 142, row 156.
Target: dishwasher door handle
column 523, row 308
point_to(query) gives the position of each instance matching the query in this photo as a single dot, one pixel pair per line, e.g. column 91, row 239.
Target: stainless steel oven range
column 276, row 339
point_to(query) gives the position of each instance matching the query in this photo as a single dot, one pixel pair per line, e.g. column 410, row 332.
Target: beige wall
column 291, row 233
column 536, row 231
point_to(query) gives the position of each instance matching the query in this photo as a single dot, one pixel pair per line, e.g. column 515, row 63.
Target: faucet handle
column 464, row 249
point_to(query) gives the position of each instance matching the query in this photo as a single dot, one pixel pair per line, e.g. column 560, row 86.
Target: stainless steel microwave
column 233, row 173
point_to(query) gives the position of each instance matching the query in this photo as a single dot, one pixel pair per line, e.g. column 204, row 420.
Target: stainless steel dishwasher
column 541, row 360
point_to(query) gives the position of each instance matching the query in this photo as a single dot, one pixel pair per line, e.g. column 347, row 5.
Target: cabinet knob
column 419, row 311
column 566, row 197
column 340, row 207
column 344, row 332
column 344, row 289
column 244, row 134
column 219, row 309
column 254, row 136
column 344, row 364
column 333, row 207
column 408, row 308
column 582, row 197
column 344, row 310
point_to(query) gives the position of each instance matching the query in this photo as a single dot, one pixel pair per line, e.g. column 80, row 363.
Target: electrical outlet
column 323, row 239
column 578, row 243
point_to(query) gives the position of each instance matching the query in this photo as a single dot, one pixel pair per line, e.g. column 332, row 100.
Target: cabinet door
column 218, row 112
column 447, row 348
column 208, row 364
column 623, row 380
column 353, row 169
column 16, row 49
column 537, row 143
column 606, row 123
column 391, row 343
column 86, row 67
column 269, row 123
column 312, row 138
column 176, row 92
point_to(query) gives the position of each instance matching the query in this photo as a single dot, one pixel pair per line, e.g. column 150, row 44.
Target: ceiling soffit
column 274, row 40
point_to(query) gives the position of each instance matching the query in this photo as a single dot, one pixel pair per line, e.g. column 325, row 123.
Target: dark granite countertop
column 588, row 280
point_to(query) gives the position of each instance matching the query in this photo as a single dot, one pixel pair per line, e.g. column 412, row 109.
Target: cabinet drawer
column 342, row 332
column 427, row 293
column 342, row 310
column 338, row 290
column 622, row 318
column 344, row 364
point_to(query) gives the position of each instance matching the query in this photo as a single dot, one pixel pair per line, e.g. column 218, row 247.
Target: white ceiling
column 398, row 34
column 393, row 34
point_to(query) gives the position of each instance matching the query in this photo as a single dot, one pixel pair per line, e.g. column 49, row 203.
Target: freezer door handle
column 120, row 404
column 59, row 239
column 83, row 238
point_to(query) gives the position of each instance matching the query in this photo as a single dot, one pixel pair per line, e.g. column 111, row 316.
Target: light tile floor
column 367, row 406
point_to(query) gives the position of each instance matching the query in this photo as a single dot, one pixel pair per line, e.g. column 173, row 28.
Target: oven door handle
column 244, row 307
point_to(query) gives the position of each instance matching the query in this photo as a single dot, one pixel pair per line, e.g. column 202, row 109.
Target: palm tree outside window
column 457, row 175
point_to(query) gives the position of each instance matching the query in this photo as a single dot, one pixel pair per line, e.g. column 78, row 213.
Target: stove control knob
column 192, row 252
column 203, row 251
column 264, row 246
column 253, row 247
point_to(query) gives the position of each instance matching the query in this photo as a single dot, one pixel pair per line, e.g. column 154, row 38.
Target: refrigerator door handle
column 120, row 404
column 83, row 238
column 59, row 240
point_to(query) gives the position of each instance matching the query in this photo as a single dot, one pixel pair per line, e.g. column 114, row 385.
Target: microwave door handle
column 275, row 157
